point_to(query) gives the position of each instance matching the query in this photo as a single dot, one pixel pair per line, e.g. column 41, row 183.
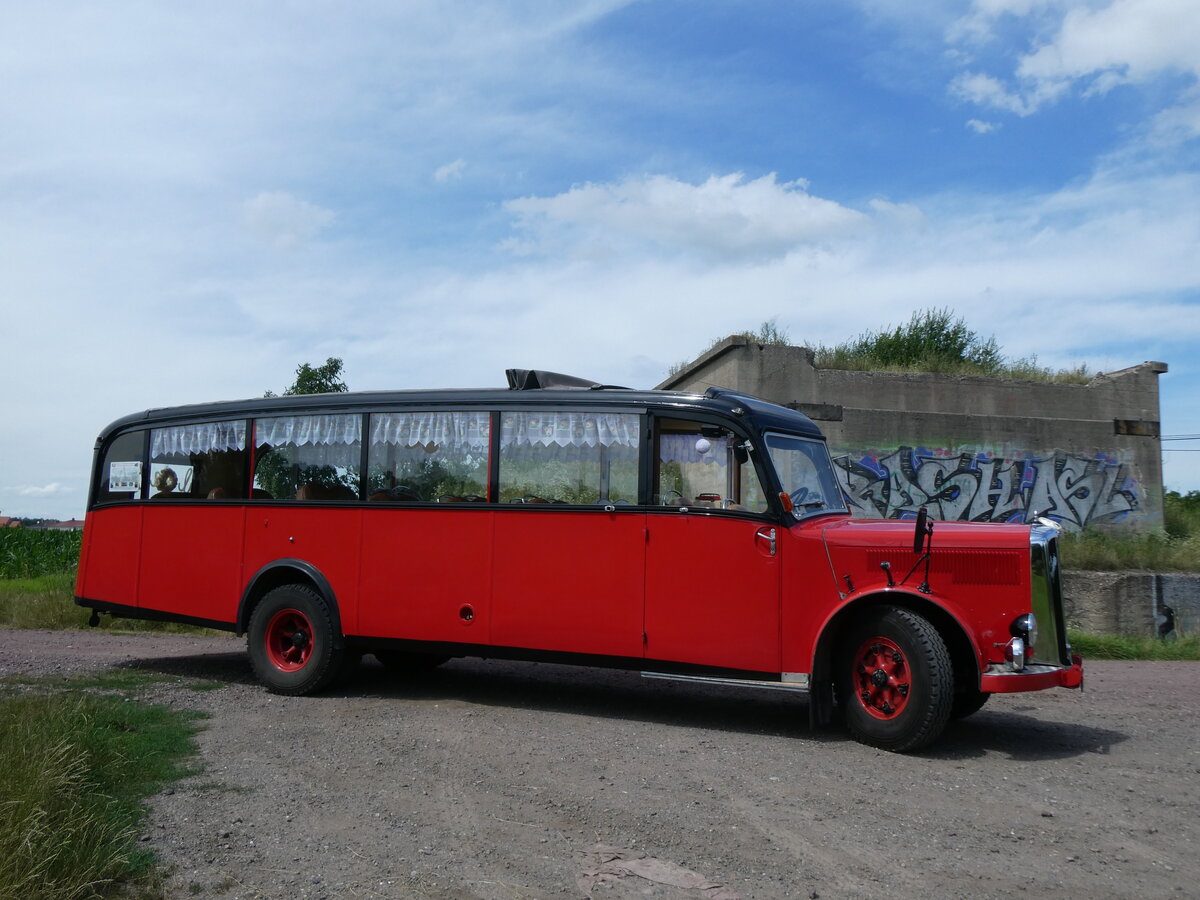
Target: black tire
column 967, row 703
column 291, row 641
column 895, row 680
column 408, row 663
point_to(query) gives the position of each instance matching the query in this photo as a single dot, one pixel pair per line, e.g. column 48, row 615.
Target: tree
column 326, row 379
column 273, row 471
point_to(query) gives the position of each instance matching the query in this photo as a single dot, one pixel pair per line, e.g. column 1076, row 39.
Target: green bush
column 933, row 340
column 1181, row 514
column 75, row 767
column 31, row 552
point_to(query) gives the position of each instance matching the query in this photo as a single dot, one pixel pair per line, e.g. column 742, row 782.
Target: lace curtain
column 205, row 437
column 444, row 430
column 570, row 429
column 690, row 448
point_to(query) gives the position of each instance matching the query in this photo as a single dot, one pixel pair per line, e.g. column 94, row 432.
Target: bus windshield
column 806, row 474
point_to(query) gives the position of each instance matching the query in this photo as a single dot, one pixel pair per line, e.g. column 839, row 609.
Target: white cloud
column 980, row 127
column 1091, row 49
column 38, row 491
column 451, row 171
column 725, row 217
column 283, row 220
column 1128, row 40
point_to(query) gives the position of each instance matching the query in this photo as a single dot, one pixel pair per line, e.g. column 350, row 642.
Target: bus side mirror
column 922, row 529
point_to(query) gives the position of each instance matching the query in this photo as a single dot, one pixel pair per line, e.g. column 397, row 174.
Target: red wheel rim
column 881, row 678
column 289, row 640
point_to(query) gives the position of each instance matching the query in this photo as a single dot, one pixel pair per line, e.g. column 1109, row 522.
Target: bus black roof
column 726, row 403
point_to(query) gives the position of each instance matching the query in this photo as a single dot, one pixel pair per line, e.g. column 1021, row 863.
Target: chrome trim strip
column 792, row 681
column 1003, row 670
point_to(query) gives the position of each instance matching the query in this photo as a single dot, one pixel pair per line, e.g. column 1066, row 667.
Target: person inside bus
column 316, row 491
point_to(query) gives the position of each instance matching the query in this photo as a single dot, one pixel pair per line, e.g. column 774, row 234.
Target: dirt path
column 509, row 780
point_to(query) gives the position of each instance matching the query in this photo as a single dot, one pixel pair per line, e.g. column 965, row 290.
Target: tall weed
column 74, row 769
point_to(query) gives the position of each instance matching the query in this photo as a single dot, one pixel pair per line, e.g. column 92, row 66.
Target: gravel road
column 511, row 780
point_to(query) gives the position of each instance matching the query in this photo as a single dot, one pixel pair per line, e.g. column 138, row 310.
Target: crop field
column 31, row 553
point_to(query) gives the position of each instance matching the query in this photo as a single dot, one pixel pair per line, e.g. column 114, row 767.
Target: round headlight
column 1026, row 627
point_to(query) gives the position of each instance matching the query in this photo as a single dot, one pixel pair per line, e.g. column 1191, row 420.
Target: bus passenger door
column 712, row 591
column 569, row 580
column 570, row 542
column 712, row 568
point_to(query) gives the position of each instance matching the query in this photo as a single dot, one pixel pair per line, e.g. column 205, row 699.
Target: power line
column 1181, row 437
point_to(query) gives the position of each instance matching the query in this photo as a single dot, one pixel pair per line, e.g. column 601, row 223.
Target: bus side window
column 121, row 468
column 315, row 457
column 428, row 456
column 205, row 460
column 569, row 457
column 705, row 466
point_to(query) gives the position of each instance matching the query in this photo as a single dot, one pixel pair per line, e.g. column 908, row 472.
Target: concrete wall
column 1132, row 603
column 967, row 447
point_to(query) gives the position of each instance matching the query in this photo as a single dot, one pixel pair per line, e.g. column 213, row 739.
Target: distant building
column 68, row 525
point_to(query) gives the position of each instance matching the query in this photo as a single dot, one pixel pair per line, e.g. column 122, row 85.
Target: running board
column 792, row 681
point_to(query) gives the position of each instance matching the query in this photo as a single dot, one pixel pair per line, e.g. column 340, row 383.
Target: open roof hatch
column 539, row 379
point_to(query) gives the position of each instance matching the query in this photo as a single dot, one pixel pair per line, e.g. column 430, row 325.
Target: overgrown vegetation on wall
column 932, row 340
column 768, row 334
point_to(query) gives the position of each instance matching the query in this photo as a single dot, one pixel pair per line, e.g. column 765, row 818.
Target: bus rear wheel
column 291, row 641
column 895, row 680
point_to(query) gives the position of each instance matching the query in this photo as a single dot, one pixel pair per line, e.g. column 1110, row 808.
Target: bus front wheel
column 895, row 680
column 291, row 641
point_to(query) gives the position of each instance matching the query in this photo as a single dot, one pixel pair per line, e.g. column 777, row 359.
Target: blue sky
column 195, row 200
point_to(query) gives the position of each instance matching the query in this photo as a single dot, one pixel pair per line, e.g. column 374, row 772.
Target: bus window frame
column 649, row 417
column 758, row 460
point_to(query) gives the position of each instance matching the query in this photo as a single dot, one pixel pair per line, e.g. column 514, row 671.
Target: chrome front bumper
column 1000, row 679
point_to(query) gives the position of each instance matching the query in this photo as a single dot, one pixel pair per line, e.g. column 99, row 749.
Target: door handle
column 767, row 534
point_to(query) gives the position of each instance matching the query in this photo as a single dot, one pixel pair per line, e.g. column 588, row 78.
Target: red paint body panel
column 191, row 560
column 112, row 549
column 328, row 538
column 569, row 581
column 979, row 573
column 712, row 592
column 420, row 567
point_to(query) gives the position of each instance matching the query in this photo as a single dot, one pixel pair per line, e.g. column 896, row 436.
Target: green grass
column 30, row 552
column 48, row 601
column 1093, row 646
column 1176, row 549
column 1097, row 551
column 74, row 767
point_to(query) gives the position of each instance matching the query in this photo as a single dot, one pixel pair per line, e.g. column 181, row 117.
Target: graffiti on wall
column 1073, row 489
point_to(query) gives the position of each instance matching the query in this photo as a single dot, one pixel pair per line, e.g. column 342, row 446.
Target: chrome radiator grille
column 1046, row 599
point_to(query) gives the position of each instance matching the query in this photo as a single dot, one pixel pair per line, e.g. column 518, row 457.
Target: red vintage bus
column 701, row 537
